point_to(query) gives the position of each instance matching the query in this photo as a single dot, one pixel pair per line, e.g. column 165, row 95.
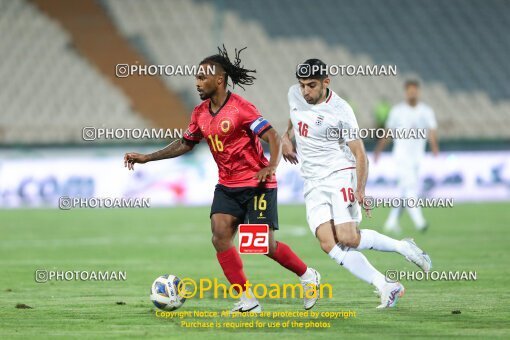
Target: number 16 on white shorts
column 332, row 198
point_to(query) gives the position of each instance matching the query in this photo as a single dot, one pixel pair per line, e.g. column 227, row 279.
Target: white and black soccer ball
column 164, row 293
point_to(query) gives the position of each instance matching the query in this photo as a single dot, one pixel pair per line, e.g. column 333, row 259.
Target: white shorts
column 329, row 199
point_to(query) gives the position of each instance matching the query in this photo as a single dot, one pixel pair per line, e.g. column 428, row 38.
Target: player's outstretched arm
column 434, row 145
column 174, row 149
column 358, row 150
column 288, row 149
column 275, row 150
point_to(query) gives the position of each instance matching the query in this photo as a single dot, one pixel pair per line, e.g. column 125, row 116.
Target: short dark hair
column 312, row 69
column 411, row 82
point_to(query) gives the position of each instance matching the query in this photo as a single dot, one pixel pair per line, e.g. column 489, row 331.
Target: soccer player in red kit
column 232, row 127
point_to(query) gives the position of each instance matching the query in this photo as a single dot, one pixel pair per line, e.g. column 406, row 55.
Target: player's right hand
column 131, row 158
column 359, row 195
column 288, row 152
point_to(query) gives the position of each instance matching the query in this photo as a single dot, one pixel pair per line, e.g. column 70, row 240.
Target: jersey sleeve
column 254, row 120
column 348, row 124
column 193, row 133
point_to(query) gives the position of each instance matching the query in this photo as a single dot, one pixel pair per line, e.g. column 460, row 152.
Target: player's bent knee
column 327, row 245
column 349, row 240
column 221, row 243
column 221, row 238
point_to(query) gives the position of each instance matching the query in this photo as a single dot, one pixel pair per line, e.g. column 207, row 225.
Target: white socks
column 414, row 212
column 250, row 298
column 392, row 221
column 417, row 217
column 371, row 239
column 307, row 276
column 358, row 265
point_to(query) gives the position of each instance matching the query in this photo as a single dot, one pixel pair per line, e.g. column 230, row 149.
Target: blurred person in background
column 408, row 153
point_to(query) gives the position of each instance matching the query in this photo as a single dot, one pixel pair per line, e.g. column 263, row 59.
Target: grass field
column 149, row 242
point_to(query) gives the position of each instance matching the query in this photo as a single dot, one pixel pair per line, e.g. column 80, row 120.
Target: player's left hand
column 289, row 151
column 265, row 173
column 360, row 197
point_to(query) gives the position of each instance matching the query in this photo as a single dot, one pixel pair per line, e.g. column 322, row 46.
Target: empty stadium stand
column 49, row 92
column 458, row 48
column 50, row 89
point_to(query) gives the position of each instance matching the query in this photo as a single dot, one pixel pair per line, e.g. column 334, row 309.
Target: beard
column 314, row 101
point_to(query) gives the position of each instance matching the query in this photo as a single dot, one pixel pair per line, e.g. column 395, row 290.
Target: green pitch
column 149, row 242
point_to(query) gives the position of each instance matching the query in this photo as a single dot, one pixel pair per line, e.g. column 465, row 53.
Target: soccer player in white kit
column 335, row 171
column 408, row 153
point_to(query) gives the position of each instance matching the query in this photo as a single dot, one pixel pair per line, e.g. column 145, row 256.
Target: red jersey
column 232, row 134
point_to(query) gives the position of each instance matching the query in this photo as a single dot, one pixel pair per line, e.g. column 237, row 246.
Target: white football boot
column 244, row 306
column 391, row 292
column 309, row 286
column 415, row 255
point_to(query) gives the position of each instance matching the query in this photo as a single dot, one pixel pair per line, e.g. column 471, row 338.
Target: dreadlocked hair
column 238, row 74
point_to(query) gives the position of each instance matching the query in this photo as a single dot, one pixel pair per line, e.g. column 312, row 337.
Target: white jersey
column 405, row 116
column 316, row 128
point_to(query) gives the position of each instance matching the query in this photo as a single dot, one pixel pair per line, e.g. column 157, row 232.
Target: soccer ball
column 164, row 293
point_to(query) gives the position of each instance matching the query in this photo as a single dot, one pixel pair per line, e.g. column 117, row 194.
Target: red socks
column 288, row 259
column 232, row 266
